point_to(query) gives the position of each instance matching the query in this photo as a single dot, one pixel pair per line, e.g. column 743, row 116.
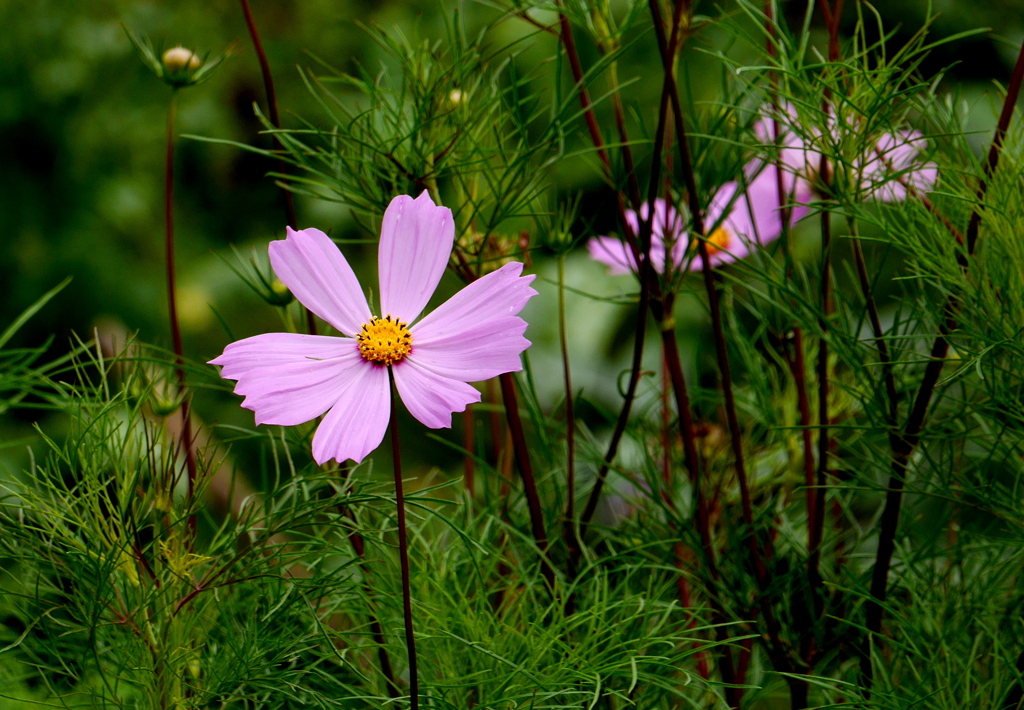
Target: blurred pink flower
column 894, row 169
column 739, row 223
column 288, row 378
column 887, row 173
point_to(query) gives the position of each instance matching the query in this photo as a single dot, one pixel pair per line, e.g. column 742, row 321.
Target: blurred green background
column 82, row 126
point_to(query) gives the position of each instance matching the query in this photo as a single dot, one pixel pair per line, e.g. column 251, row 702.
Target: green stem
column 570, row 418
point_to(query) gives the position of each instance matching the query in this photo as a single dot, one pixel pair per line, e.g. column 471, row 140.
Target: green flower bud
column 178, row 61
column 178, row 66
column 279, row 294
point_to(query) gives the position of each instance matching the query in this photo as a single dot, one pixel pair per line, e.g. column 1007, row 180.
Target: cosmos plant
column 289, row 378
column 824, row 453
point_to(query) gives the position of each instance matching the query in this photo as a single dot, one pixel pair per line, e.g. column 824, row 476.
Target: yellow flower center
column 719, row 240
column 384, row 341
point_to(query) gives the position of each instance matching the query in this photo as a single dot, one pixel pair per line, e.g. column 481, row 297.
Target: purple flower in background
column 666, row 228
column 288, row 378
column 743, row 221
column 893, row 171
column 887, row 173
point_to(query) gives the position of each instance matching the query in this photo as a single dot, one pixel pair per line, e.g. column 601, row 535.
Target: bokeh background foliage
column 81, row 148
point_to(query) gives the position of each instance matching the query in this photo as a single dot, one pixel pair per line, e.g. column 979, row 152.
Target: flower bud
column 279, row 294
column 178, row 60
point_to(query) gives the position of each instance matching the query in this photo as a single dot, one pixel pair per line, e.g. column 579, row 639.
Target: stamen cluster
column 719, row 240
column 384, row 341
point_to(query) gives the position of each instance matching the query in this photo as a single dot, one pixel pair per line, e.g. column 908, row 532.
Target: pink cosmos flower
column 743, row 221
column 887, row 173
column 288, row 378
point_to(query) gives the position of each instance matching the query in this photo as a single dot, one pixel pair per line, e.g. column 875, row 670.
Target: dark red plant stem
column 797, row 363
column 268, row 85
column 522, row 452
column 570, row 417
column 577, row 74
column 799, row 368
column 817, row 523
column 686, row 603
column 718, row 330
column 403, row 552
column 1009, row 104
column 275, row 120
column 832, row 16
column 692, row 460
column 186, row 442
column 904, row 445
column 679, row 389
column 775, row 649
column 647, row 284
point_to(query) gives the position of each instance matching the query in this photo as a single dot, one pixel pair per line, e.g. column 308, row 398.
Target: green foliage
column 278, row 585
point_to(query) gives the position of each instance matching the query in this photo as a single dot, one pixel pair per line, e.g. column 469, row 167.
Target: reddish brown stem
column 799, row 368
column 994, row 151
column 570, row 416
column 817, row 524
column 718, row 330
column 275, row 120
column 692, row 461
column 569, row 42
column 522, row 452
column 186, row 442
column 776, row 649
column 403, row 552
column 647, row 284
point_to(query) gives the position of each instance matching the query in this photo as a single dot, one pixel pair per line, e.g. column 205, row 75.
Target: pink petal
column 480, row 352
column 357, row 422
column 476, row 334
column 268, row 349
column 500, row 293
column 416, row 241
column 309, row 264
column 430, row 397
column 893, row 163
column 667, row 225
column 795, row 155
column 294, row 391
column 756, row 214
column 613, row 253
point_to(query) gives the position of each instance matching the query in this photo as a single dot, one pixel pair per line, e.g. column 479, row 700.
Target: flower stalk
column 275, row 120
column 833, row 14
column 522, row 456
column 186, row 442
column 403, row 550
column 570, row 416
